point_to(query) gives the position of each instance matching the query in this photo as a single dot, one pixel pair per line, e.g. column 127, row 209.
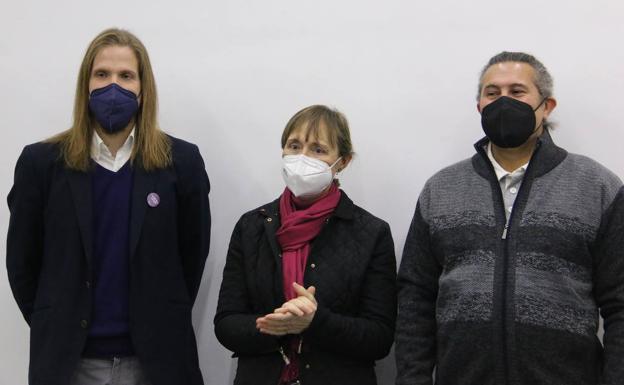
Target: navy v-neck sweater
column 109, row 332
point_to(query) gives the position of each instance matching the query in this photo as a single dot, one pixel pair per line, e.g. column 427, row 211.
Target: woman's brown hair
column 315, row 118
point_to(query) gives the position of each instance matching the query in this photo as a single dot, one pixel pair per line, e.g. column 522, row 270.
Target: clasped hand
column 293, row 317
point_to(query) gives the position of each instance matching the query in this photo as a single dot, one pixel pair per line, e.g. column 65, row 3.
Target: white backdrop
column 231, row 73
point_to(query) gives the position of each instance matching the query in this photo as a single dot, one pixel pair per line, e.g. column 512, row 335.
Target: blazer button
column 84, row 323
column 313, row 265
column 269, row 219
column 307, row 366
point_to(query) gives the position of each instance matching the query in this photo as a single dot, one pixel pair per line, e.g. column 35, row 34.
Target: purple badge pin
column 153, row 199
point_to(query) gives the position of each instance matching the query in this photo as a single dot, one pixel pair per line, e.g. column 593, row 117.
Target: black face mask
column 508, row 122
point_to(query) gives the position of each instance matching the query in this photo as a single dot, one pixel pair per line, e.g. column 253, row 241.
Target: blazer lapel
column 81, row 190
column 143, row 184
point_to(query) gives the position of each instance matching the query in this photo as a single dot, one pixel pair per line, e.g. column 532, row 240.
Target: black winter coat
column 351, row 264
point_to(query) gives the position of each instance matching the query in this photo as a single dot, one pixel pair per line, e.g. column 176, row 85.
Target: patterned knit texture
column 520, row 310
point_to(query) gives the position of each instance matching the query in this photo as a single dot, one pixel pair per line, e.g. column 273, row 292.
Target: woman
column 308, row 293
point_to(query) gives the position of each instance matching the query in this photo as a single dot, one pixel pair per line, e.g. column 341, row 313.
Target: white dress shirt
column 102, row 155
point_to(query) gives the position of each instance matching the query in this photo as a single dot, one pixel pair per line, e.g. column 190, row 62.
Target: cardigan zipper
column 506, row 265
column 505, row 246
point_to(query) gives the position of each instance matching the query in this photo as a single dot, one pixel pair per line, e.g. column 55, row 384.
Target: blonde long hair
column 151, row 146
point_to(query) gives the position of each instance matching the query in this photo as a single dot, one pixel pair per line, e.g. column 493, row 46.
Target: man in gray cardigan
column 513, row 254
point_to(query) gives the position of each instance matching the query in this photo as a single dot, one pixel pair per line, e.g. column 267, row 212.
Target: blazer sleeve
column 416, row 323
column 369, row 334
column 609, row 288
column 25, row 235
column 193, row 220
column 235, row 320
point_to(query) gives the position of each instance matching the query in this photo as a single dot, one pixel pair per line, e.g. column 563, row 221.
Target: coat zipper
column 505, row 245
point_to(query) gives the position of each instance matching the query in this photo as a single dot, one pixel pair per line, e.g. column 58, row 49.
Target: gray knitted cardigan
column 485, row 306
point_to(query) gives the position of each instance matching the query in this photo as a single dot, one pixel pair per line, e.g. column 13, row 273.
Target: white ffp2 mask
column 306, row 176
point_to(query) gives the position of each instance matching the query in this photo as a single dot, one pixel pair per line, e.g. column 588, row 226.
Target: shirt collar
column 498, row 169
column 98, row 146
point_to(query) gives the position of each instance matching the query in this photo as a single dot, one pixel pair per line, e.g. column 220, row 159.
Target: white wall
column 231, row 73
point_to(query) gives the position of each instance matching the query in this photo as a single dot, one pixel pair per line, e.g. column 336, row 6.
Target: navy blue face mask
column 113, row 107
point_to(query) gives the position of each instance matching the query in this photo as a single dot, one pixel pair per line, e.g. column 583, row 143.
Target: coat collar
column 546, row 157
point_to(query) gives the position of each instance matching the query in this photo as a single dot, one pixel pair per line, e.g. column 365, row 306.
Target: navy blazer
column 49, row 262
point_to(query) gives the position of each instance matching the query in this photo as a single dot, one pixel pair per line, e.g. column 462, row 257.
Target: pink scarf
column 299, row 227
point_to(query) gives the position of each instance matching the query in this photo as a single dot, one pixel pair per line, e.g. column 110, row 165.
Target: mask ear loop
column 537, row 108
column 332, row 166
column 337, row 160
column 138, row 101
column 539, row 105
